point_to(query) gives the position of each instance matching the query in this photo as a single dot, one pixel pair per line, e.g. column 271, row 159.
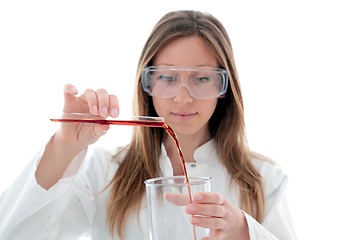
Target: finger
column 177, row 199
column 89, row 96
column 92, row 134
column 208, row 197
column 71, row 104
column 214, row 235
column 113, row 106
column 103, row 102
column 69, row 93
column 70, row 89
column 213, row 210
column 208, row 222
column 100, row 129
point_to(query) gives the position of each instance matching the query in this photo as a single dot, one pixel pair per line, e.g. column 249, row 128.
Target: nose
column 183, row 95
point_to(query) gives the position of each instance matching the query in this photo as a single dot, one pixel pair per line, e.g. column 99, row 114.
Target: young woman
column 186, row 74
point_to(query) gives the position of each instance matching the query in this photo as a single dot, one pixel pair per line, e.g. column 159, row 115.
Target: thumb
column 70, row 89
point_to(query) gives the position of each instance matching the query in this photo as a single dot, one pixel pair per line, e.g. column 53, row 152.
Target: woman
column 186, row 74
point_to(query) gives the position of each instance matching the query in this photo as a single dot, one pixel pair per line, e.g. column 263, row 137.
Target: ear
column 222, row 96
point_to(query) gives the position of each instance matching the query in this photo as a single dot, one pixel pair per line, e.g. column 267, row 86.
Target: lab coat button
column 193, row 165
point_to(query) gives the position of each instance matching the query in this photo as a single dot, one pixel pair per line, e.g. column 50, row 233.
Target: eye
column 202, row 79
column 166, row 78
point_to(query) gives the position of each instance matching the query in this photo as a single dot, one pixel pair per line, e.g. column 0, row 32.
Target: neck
column 188, row 145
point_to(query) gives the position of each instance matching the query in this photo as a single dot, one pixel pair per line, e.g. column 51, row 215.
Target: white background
column 298, row 61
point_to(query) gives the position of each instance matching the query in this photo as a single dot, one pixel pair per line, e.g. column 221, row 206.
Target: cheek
column 206, row 109
column 160, row 106
column 210, row 109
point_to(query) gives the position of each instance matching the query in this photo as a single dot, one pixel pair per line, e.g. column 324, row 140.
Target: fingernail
column 74, row 90
column 114, row 112
column 104, row 112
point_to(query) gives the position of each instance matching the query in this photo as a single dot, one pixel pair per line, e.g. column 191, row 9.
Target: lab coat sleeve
column 277, row 223
column 27, row 211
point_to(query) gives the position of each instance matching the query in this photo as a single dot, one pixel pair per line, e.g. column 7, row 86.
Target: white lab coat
column 76, row 205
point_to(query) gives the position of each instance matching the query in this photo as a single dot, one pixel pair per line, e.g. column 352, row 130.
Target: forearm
column 26, row 205
column 55, row 160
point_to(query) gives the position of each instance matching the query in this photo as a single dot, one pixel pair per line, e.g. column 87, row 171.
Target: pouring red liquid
column 142, row 121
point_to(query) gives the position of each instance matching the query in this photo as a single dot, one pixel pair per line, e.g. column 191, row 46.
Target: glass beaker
column 168, row 220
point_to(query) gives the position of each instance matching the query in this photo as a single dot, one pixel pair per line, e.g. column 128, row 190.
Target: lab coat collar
column 202, row 154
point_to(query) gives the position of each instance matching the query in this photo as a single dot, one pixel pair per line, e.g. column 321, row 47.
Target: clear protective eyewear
column 202, row 83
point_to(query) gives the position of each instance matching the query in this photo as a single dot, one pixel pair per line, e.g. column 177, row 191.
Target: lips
column 183, row 116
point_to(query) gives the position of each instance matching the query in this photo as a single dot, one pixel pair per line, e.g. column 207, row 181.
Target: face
column 187, row 115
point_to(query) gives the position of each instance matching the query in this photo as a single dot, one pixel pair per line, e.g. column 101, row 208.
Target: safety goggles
column 202, row 83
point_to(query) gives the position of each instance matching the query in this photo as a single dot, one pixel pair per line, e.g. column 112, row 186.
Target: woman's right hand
column 94, row 102
column 72, row 138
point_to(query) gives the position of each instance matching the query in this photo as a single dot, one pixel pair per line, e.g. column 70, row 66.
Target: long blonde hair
column 226, row 125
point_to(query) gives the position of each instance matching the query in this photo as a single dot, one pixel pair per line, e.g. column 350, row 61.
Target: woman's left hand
column 213, row 211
